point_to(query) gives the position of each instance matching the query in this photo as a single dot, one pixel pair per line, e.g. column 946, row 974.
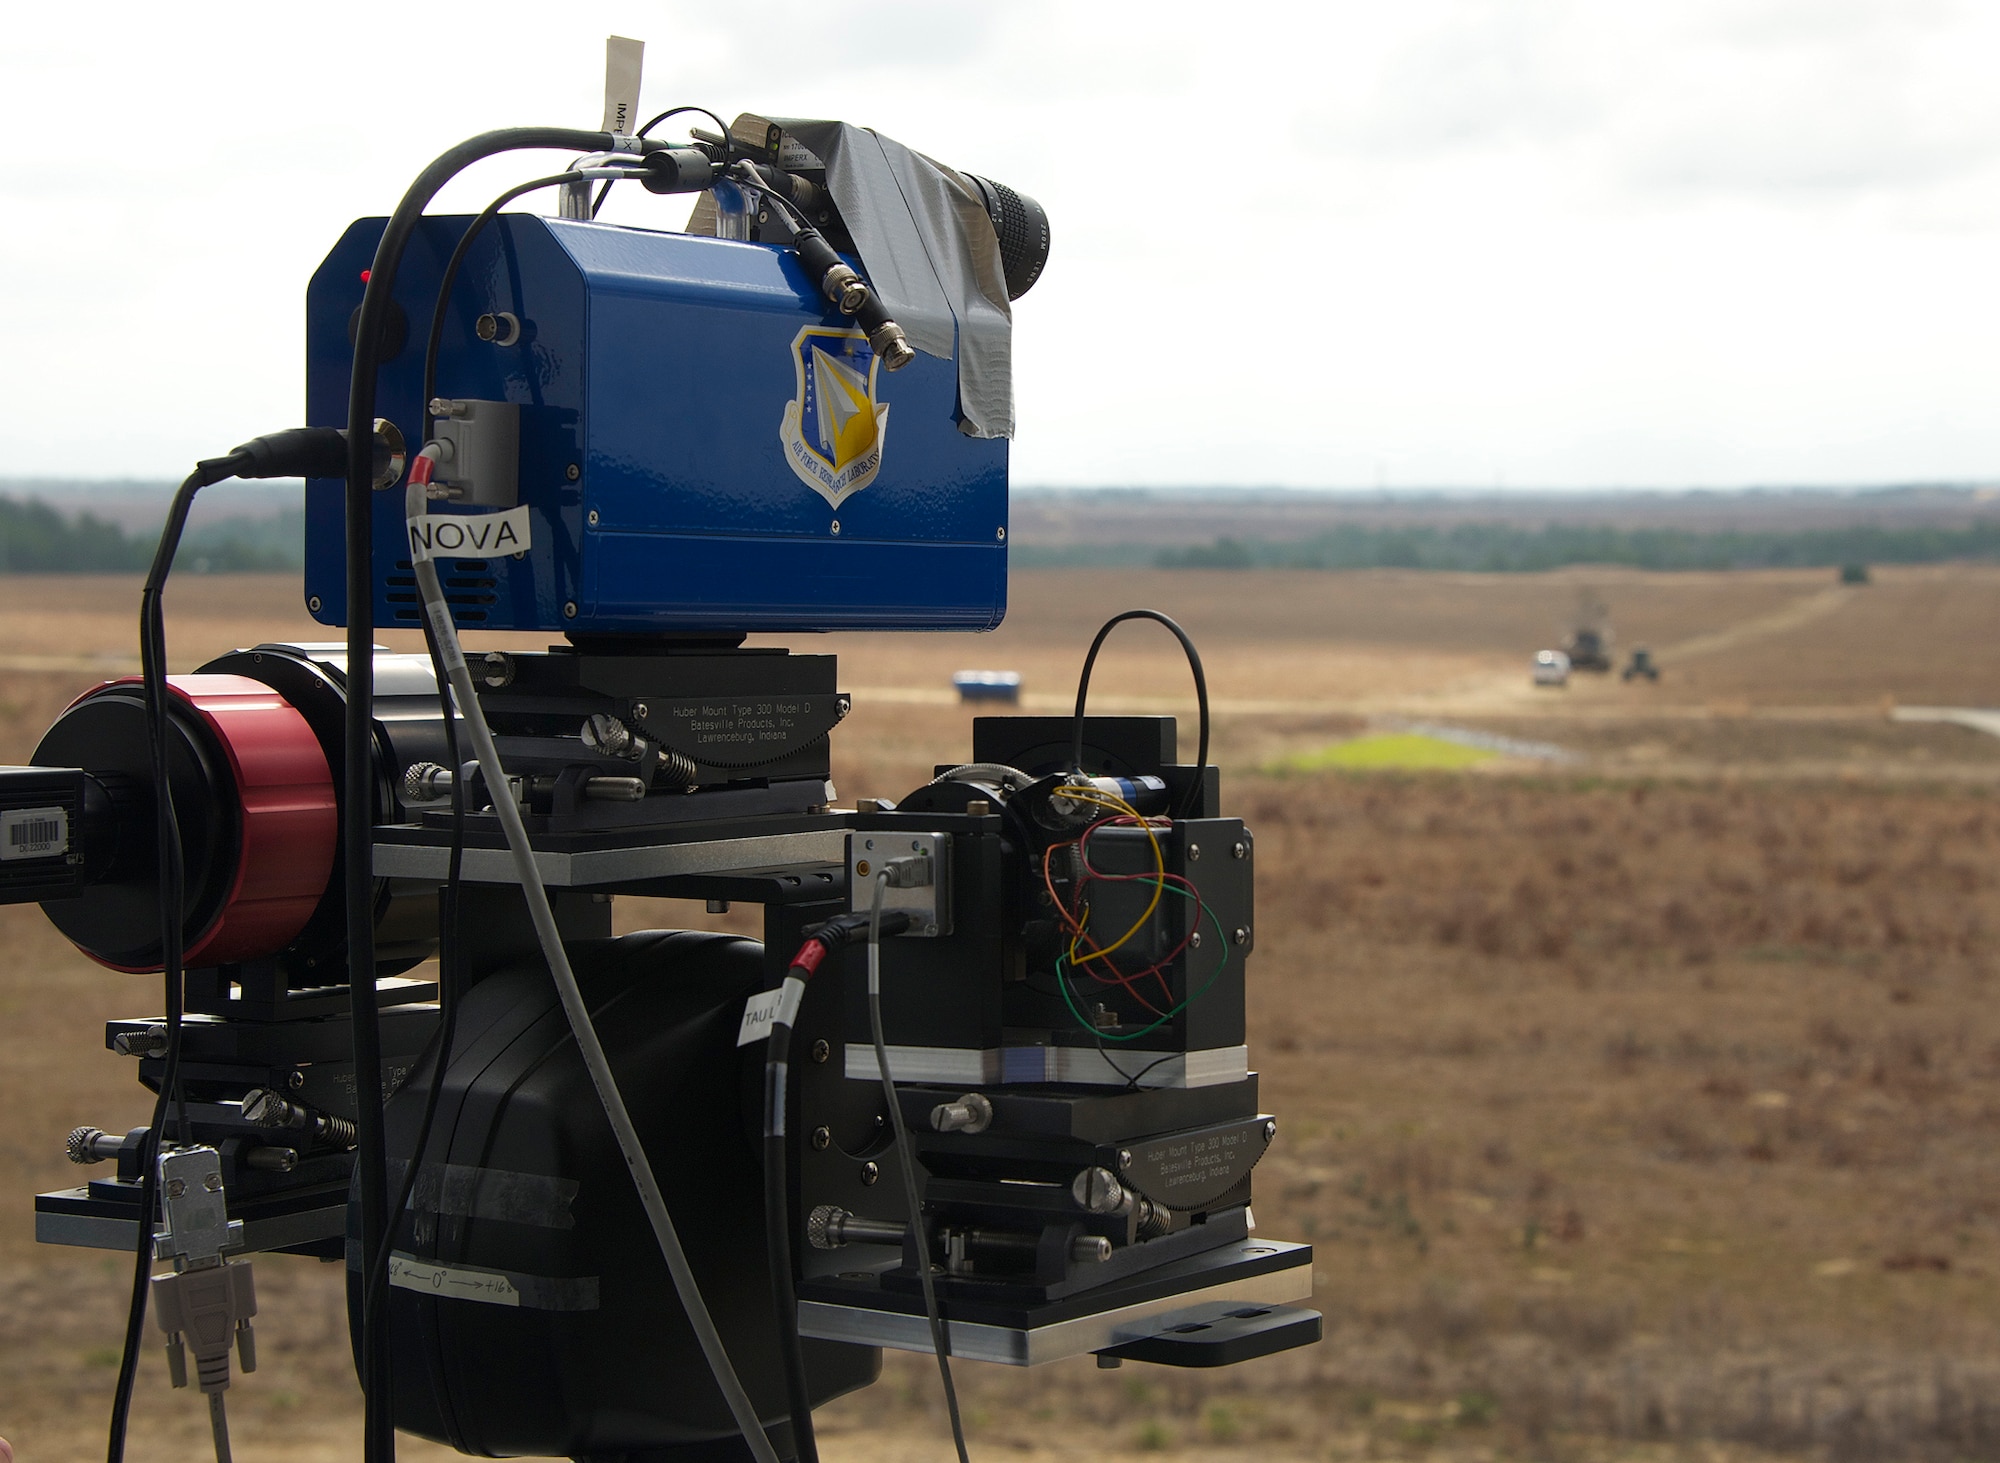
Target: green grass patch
column 1386, row 751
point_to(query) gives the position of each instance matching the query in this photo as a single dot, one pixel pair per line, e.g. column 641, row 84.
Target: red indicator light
column 364, row 276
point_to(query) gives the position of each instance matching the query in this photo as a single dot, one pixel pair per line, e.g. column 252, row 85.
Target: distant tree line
column 36, row 539
column 1503, row 549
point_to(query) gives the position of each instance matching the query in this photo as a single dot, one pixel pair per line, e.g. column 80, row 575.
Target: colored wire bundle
column 1076, row 917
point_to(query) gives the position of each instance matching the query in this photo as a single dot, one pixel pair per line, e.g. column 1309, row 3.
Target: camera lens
column 1023, row 229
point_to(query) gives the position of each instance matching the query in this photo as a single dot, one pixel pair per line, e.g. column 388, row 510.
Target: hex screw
column 1242, row 935
column 298, row 1081
column 176, row 1188
column 822, row 1050
column 835, row 530
column 1000, row 534
column 870, row 1172
column 1194, row 853
column 1194, row 940
column 572, row 472
column 313, row 604
column 1240, row 849
column 1124, row 1156
column 593, row 518
column 569, row 609
column 1270, row 1129
column 639, row 709
column 822, row 1138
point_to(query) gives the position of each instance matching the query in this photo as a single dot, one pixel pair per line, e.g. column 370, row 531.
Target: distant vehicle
column 1551, row 668
column 1853, row 573
column 1589, row 643
column 1642, row 664
column 988, row 685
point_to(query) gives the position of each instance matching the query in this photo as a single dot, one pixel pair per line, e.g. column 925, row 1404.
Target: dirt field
column 1640, row 1105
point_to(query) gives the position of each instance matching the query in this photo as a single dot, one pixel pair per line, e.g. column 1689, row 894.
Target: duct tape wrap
column 929, row 250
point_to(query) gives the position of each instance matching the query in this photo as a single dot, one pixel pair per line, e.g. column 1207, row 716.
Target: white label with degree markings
column 34, row 832
column 450, row 1280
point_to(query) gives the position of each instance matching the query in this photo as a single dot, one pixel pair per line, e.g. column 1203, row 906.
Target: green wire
column 1222, row 938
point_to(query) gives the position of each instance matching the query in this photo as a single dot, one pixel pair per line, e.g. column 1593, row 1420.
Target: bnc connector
column 845, row 288
column 892, row 345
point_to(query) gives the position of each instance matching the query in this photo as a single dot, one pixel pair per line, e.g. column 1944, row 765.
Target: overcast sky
column 1712, row 242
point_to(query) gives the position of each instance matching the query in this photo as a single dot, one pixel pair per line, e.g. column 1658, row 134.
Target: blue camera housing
column 685, row 404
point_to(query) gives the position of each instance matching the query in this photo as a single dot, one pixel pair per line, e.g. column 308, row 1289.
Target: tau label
column 767, row 1008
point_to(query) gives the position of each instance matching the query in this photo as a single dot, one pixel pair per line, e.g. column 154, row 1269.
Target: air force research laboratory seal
column 834, row 428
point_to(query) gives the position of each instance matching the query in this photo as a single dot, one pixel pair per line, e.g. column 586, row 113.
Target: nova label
column 470, row 536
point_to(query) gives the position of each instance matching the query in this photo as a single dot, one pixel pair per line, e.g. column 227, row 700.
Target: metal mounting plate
column 928, row 904
column 280, row 1222
column 1250, row 1272
column 598, row 867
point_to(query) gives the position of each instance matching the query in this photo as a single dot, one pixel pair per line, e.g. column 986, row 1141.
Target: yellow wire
column 1092, row 797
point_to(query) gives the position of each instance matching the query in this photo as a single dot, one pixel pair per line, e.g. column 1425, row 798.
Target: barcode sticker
column 34, row 832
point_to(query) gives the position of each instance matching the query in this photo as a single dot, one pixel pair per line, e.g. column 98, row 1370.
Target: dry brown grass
column 1634, row 1118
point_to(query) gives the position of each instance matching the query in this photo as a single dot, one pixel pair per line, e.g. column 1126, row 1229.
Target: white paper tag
column 34, row 832
column 623, row 60
column 484, row 1286
column 470, row 535
column 763, row 1011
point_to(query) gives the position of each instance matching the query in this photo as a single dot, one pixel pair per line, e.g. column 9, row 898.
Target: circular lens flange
column 1022, row 227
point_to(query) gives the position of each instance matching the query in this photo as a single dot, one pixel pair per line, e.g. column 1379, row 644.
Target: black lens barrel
column 1023, row 230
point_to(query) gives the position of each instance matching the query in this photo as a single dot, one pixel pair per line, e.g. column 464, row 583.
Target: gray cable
column 417, row 505
column 907, row 1154
column 218, row 1427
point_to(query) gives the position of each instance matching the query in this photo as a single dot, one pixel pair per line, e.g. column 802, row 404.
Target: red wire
column 1117, row 977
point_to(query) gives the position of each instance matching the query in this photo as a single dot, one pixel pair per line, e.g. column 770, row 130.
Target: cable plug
column 206, row 1310
column 911, row 871
column 308, row 452
column 849, row 929
column 837, row 279
column 678, row 170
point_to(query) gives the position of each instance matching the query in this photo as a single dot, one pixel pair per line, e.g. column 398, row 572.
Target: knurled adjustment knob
column 823, row 1227
column 90, row 1145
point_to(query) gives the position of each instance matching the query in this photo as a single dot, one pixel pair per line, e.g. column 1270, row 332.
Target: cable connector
column 308, row 452
column 852, row 929
column 678, row 170
column 205, row 1304
column 836, row 278
column 206, row 1311
column 911, row 871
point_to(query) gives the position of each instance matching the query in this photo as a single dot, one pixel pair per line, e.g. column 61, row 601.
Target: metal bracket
column 1221, row 1333
column 919, row 869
